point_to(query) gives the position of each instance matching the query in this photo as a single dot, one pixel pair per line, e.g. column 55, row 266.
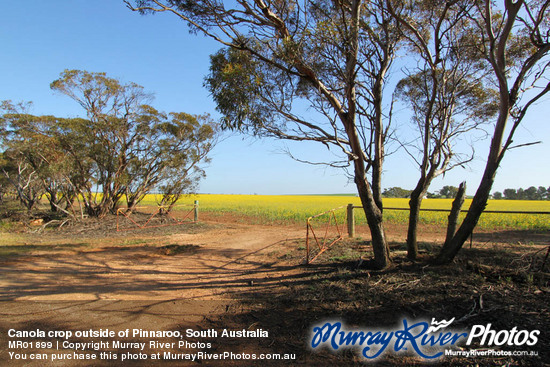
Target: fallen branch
column 51, row 223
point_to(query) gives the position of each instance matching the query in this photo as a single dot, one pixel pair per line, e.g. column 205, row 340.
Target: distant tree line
column 446, row 192
column 121, row 151
column 531, row 193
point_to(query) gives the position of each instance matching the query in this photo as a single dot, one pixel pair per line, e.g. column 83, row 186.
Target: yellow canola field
column 297, row 208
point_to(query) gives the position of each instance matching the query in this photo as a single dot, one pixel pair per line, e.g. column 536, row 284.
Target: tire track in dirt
column 139, row 286
column 219, row 262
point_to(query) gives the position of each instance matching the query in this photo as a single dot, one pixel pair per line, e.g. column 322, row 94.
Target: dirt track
column 209, row 265
column 235, row 276
column 168, row 282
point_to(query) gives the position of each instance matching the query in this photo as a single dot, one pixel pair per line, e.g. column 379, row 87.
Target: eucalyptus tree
column 280, row 57
column 108, row 133
column 184, row 171
column 22, row 177
column 444, row 90
column 169, row 156
column 23, row 160
column 125, row 148
column 35, row 162
column 515, row 44
column 4, row 183
column 55, row 170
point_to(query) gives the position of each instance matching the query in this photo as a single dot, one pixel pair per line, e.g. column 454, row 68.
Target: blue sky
column 42, row 38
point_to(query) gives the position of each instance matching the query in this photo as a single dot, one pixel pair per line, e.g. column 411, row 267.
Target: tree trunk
column 54, row 201
column 375, row 222
column 414, row 216
column 455, row 211
column 131, row 206
column 417, row 195
column 479, row 202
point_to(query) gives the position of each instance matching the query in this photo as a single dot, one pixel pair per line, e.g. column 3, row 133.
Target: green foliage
column 24, row 165
column 130, row 147
column 234, row 82
column 448, row 192
column 396, row 192
column 460, row 95
column 531, row 193
column 124, row 148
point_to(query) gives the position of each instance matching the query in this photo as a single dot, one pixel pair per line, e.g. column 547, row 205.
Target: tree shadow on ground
column 540, row 237
column 486, row 284
column 478, row 289
column 138, row 317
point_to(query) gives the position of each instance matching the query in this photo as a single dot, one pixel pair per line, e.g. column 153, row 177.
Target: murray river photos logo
column 427, row 340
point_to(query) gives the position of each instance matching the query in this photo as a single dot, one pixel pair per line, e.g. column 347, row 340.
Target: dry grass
column 503, row 284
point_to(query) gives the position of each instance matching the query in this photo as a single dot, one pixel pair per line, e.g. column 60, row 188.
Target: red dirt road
column 141, row 286
column 215, row 263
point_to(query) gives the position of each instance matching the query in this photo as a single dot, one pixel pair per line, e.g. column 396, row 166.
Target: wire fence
column 321, row 236
column 324, row 236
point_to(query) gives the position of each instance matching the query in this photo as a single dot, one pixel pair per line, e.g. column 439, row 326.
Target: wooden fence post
column 351, row 221
column 196, row 211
